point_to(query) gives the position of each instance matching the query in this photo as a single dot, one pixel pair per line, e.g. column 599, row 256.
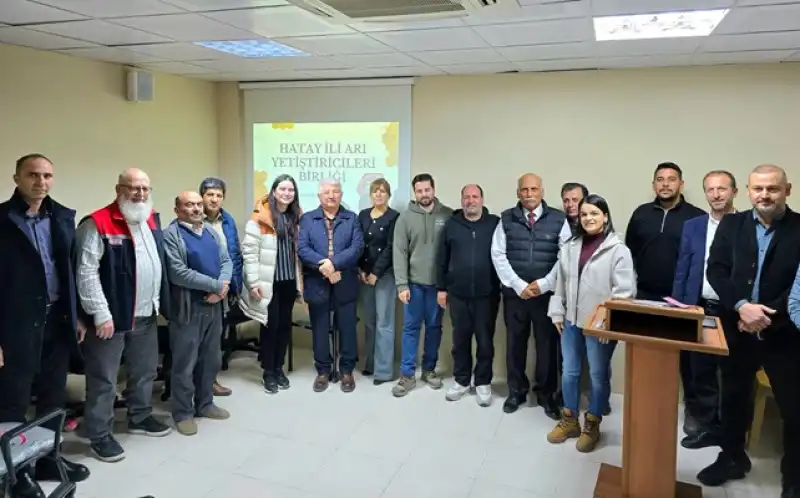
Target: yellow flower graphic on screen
column 260, row 184
column 282, row 126
column 390, row 141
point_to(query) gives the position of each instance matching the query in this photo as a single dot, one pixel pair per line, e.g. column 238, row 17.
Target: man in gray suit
column 199, row 270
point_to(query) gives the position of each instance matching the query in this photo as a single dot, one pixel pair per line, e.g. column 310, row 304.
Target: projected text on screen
column 355, row 154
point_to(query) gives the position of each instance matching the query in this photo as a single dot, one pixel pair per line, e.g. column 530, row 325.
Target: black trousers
column 275, row 336
column 778, row 353
column 701, row 389
column 473, row 317
column 346, row 316
column 49, row 384
column 519, row 314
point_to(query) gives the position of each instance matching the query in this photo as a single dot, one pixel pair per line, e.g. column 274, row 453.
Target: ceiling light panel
column 253, row 49
column 602, row 8
column 663, row 25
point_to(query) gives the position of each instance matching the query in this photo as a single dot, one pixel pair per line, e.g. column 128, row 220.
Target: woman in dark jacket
column 378, row 291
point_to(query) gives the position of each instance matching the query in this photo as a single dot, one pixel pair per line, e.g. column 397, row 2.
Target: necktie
column 531, row 219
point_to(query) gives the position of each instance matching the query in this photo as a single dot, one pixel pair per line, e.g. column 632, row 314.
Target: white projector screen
column 354, row 134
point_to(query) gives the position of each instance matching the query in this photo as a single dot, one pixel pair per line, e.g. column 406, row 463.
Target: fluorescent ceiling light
column 253, row 49
column 663, row 25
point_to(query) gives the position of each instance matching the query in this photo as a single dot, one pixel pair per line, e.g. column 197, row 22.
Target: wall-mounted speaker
column 141, row 85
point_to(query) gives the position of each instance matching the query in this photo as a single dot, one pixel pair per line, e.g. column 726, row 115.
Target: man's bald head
column 529, row 178
column 131, row 175
column 188, row 196
column 530, row 191
column 472, row 201
column 189, row 207
column 768, row 187
column 771, row 169
column 133, row 185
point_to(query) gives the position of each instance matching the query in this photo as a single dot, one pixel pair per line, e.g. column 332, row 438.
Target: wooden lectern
column 655, row 336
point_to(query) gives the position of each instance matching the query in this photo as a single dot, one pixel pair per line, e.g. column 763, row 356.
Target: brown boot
column 321, row 383
column 220, row 390
column 568, row 427
column 348, row 383
column 590, row 435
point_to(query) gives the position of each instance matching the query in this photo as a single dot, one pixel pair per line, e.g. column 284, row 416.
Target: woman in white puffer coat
column 272, row 275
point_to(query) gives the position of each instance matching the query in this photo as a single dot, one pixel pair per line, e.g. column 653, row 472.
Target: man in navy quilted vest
column 122, row 284
column 524, row 252
column 38, row 322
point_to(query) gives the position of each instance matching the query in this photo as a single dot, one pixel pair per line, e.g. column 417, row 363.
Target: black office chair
column 230, row 338
column 23, row 444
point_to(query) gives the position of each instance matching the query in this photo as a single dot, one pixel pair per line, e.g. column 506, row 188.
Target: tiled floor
column 369, row 445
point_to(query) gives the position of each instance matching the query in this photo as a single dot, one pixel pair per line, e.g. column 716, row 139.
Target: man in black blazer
column 751, row 266
column 38, row 321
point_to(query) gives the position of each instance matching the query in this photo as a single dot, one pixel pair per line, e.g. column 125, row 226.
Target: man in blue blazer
column 690, row 286
column 329, row 247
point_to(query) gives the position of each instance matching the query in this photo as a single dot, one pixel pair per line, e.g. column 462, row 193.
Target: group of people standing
column 89, row 298
column 103, row 286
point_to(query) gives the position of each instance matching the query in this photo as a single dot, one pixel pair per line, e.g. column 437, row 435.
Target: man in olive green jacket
column 416, row 238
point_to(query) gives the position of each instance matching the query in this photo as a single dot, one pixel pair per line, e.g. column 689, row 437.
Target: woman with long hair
column 272, row 276
column 378, row 292
column 594, row 266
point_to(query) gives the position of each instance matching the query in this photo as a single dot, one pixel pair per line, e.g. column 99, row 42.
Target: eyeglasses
column 138, row 190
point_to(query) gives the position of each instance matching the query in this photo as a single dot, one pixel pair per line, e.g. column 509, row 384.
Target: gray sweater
column 183, row 280
column 608, row 274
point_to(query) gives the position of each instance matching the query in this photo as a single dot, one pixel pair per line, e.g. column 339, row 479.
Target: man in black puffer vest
column 524, row 251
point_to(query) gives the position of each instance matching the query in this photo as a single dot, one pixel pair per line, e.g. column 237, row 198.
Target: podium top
column 658, row 326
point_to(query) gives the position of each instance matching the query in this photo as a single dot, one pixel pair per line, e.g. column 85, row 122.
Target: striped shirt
column 285, row 268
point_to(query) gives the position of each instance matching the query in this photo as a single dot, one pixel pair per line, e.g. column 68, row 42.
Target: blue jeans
column 379, row 302
column 421, row 307
column 573, row 345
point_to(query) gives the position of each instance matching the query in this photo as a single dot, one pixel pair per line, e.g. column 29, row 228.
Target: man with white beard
column 122, row 285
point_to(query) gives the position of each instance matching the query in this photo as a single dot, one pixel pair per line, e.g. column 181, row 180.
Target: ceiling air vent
column 350, row 11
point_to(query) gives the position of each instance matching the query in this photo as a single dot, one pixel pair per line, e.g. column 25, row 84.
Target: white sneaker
column 484, row 395
column 456, row 392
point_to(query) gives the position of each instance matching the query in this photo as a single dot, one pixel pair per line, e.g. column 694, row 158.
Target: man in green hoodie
column 416, row 237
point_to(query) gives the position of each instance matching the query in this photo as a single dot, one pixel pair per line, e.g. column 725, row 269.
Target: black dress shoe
column 791, row 492
column 550, row 406
column 513, row 402
column 690, row 424
column 726, row 468
column 47, row 470
column 26, row 487
column 700, row 439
